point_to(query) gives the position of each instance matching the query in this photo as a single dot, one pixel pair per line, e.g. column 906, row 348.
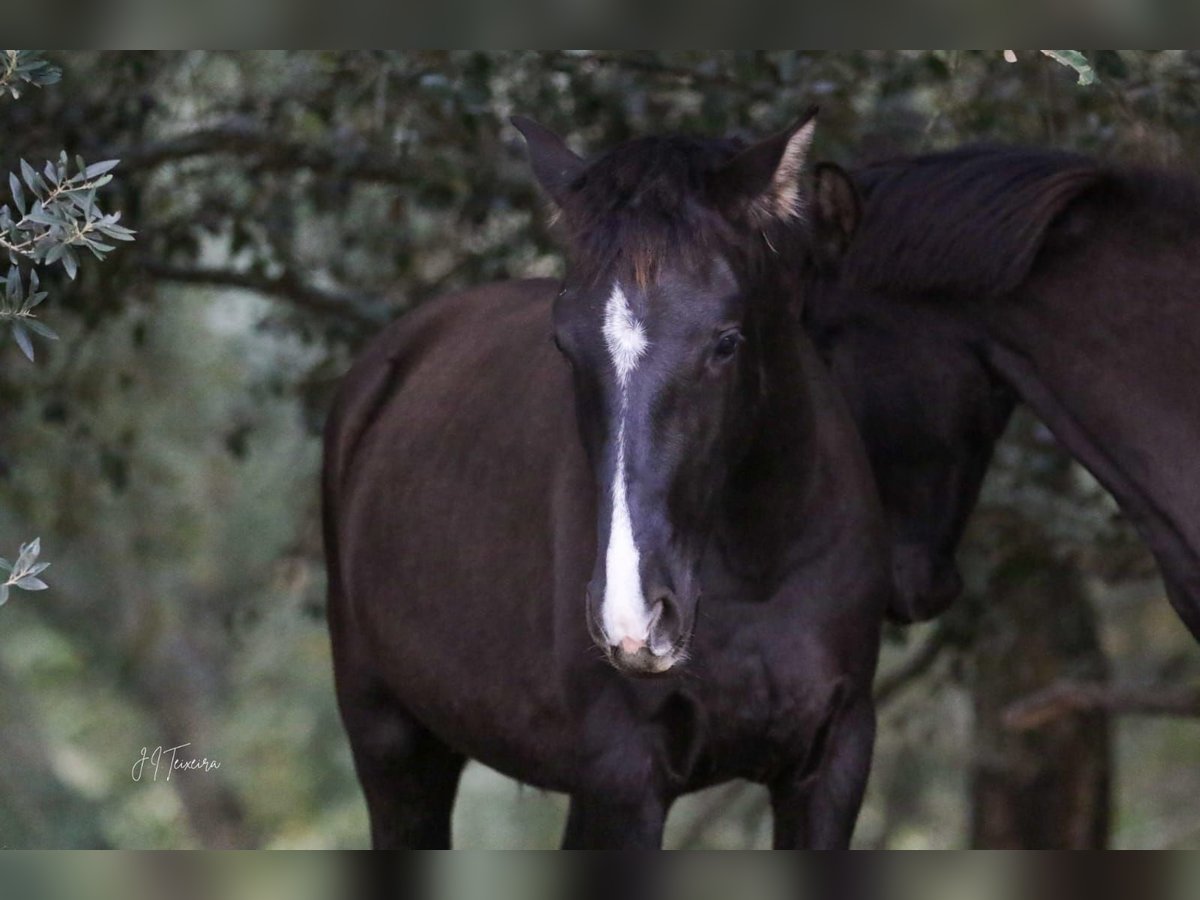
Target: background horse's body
column 987, row 275
column 460, row 515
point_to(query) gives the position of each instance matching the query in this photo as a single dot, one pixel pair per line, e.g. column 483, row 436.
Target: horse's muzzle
column 632, row 656
column 637, row 659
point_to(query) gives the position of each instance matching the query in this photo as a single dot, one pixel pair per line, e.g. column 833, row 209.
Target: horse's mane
column 649, row 200
column 966, row 222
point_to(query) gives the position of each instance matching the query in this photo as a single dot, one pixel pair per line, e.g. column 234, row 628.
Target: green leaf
column 40, row 328
column 41, row 216
column 70, row 264
column 55, row 254
column 22, row 338
column 30, row 176
column 14, row 184
column 3, row 594
column 31, row 583
column 5, row 565
column 1073, row 59
column 100, row 168
column 29, row 554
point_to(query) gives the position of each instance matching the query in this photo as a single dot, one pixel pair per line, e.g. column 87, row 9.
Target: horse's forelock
column 647, row 204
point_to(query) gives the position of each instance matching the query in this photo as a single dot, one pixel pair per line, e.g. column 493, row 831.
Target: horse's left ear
column 554, row 163
column 764, row 180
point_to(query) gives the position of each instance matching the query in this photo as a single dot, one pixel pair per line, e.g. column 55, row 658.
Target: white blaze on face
column 623, row 612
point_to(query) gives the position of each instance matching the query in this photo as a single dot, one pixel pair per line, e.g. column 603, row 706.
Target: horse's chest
column 758, row 714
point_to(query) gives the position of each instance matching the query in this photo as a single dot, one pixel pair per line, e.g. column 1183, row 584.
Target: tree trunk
column 1046, row 787
column 176, row 694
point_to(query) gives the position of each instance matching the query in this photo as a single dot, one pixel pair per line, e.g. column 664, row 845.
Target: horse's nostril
column 664, row 616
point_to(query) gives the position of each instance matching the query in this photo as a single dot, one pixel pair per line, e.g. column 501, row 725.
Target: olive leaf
column 24, row 572
column 52, row 218
column 21, row 67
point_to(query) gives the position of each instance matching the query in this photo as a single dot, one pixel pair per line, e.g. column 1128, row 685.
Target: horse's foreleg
column 816, row 806
column 606, row 824
column 408, row 775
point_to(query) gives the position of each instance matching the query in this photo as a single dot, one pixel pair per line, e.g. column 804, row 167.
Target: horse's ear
column 837, row 211
column 554, row 164
column 764, row 179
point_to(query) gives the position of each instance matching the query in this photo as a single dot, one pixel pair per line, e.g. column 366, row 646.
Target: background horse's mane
column 970, row 221
column 650, row 200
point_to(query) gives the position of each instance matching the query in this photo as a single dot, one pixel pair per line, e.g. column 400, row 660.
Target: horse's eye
column 727, row 344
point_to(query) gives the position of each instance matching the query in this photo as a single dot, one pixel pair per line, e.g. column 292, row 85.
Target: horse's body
column 461, row 513
column 508, row 525
column 990, row 275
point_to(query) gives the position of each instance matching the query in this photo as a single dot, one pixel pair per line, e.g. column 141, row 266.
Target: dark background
column 287, row 204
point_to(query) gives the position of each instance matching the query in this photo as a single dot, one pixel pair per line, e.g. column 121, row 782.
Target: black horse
column 490, row 500
column 987, row 275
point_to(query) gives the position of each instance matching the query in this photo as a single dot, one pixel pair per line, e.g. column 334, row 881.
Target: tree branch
column 1070, row 697
column 364, row 311
column 246, row 137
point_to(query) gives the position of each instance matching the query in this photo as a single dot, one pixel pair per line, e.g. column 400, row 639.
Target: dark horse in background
column 529, row 486
column 984, row 276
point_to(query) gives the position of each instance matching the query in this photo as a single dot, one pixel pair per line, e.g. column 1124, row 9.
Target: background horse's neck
column 1111, row 368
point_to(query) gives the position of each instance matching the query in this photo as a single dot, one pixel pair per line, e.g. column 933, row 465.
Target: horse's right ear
column 837, row 210
column 554, row 164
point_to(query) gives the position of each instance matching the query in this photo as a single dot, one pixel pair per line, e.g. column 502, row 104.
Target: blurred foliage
column 289, row 203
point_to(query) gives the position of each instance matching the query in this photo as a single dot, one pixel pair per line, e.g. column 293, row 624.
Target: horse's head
column 928, row 408
column 662, row 316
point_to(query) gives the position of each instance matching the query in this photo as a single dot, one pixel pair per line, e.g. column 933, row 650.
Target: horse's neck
column 1110, row 361
column 805, row 483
